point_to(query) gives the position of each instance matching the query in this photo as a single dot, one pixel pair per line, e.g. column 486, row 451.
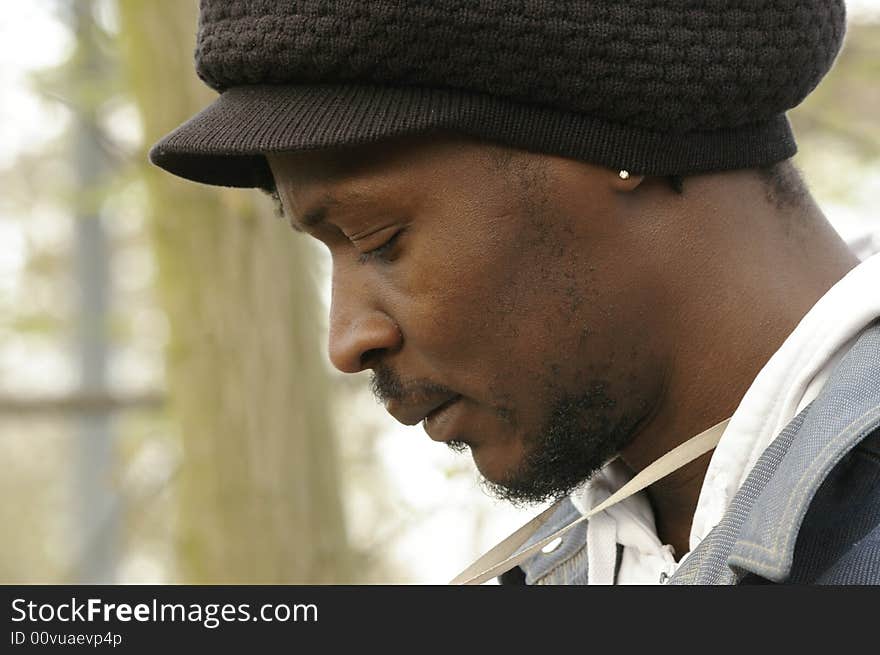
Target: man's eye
column 381, row 252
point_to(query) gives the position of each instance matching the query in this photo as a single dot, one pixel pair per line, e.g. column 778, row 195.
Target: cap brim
column 225, row 143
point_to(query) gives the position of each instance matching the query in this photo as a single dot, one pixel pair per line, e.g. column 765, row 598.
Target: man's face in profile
column 497, row 296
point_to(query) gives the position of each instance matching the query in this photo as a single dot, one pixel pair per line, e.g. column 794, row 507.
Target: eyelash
column 381, row 251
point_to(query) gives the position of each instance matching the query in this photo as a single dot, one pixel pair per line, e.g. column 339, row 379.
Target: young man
column 568, row 237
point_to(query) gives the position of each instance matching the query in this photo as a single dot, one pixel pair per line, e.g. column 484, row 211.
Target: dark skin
column 553, row 296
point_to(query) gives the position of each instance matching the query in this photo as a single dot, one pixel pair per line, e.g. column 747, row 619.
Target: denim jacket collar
column 760, row 528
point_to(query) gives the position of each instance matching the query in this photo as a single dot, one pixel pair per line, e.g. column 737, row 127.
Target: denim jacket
column 808, row 512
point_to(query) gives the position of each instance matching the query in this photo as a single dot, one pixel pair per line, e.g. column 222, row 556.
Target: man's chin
column 517, row 494
column 508, row 480
column 496, row 465
column 528, row 471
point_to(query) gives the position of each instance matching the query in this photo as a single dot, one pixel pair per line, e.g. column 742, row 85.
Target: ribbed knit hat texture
column 653, row 86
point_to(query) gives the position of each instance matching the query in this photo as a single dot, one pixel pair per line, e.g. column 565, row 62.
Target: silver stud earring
column 624, row 175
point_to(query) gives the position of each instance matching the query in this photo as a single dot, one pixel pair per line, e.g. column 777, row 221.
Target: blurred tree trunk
column 260, row 492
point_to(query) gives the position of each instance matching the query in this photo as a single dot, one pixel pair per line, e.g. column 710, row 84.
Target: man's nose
column 359, row 334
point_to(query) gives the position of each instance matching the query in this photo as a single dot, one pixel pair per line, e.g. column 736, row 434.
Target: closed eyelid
column 370, row 232
column 379, row 251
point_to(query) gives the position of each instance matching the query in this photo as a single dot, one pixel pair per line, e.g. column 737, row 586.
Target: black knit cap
column 657, row 87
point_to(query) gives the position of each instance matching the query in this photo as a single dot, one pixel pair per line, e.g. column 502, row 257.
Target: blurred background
column 167, row 410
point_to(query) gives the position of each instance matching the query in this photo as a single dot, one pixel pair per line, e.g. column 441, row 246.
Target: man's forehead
column 314, row 183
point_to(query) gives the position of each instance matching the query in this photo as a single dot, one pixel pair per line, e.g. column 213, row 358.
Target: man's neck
column 736, row 308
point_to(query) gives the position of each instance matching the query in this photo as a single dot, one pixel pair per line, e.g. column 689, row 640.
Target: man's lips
column 440, row 424
column 413, row 413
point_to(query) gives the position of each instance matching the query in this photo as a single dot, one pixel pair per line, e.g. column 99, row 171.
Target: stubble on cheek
column 561, row 402
column 535, row 333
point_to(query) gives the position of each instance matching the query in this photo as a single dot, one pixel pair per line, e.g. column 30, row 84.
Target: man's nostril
column 371, row 357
